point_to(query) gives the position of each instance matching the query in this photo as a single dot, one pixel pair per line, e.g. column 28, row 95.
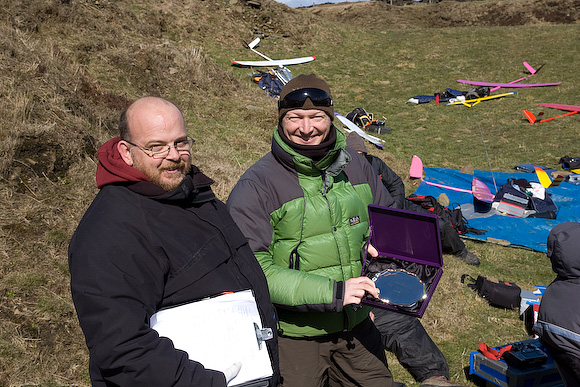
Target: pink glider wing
column 496, row 84
column 570, row 108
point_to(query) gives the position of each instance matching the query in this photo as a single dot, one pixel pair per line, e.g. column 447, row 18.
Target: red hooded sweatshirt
column 112, row 169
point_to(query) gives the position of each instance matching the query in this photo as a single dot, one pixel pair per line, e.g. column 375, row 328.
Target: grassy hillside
column 68, row 67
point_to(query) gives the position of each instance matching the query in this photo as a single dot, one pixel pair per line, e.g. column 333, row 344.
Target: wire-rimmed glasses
column 161, row 151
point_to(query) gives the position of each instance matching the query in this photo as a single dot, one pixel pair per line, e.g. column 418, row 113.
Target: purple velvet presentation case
column 405, row 240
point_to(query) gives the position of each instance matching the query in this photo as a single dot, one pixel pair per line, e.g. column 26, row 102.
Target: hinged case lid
column 406, row 235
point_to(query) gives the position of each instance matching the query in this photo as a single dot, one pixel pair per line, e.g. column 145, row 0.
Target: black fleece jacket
column 136, row 251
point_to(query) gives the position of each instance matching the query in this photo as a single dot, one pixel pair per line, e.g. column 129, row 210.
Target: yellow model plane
column 472, row 102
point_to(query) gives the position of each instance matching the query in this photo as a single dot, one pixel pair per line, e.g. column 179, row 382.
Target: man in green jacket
column 303, row 209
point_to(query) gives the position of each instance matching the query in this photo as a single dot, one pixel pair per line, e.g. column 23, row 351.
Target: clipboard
column 219, row 331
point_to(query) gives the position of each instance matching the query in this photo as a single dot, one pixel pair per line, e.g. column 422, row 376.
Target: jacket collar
column 293, row 160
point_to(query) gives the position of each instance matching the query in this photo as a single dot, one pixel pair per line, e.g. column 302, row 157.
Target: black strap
column 472, row 285
column 294, row 260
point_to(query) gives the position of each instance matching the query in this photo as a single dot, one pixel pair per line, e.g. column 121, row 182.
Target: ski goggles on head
column 296, row 98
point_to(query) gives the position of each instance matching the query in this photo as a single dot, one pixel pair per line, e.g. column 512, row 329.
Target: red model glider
column 571, row 109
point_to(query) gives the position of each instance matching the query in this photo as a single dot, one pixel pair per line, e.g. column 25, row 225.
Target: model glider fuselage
column 478, row 188
column 475, row 101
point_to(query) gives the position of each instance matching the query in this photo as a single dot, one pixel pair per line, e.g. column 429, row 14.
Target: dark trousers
column 568, row 365
column 407, row 339
column 354, row 358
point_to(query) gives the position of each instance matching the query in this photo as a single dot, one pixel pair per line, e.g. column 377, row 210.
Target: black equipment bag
column 501, row 294
column 525, row 354
column 569, row 163
column 545, row 208
column 453, row 216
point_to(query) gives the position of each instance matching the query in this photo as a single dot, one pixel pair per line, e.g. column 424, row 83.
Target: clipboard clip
column 263, row 334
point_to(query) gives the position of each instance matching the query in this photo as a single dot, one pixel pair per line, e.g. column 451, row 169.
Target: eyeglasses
column 297, row 98
column 161, row 151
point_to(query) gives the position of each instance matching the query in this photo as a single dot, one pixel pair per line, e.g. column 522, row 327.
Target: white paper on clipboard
column 218, row 332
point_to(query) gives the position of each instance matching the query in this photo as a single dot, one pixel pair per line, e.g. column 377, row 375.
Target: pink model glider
column 532, row 71
column 494, row 86
column 478, row 188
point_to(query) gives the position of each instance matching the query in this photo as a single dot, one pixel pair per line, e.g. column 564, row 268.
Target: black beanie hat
column 303, row 82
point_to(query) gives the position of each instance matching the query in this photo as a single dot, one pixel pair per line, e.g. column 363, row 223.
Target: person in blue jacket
column 558, row 324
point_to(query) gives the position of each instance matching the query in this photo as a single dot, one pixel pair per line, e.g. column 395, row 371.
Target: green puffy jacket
column 307, row 224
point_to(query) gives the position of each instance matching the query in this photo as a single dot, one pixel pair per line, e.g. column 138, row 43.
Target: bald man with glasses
column 156, row 237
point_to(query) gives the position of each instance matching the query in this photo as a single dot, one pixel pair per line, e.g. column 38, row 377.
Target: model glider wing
column 570, row 108
column 276, row 67
column 273, row 63
column 496, row 84
column 351, row 126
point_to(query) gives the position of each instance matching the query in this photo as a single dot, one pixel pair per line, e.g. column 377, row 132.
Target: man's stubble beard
column 155, row 173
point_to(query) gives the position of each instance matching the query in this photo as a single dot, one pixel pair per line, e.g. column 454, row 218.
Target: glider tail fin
column 557, row 181
column 539, row 68
column 529, row 116
column 545, row 179
column 530, row 68
column 416, row 170
column 253, row 43
column 481, row 190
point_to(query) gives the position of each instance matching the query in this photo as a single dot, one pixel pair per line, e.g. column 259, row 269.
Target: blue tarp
column 520, row 232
